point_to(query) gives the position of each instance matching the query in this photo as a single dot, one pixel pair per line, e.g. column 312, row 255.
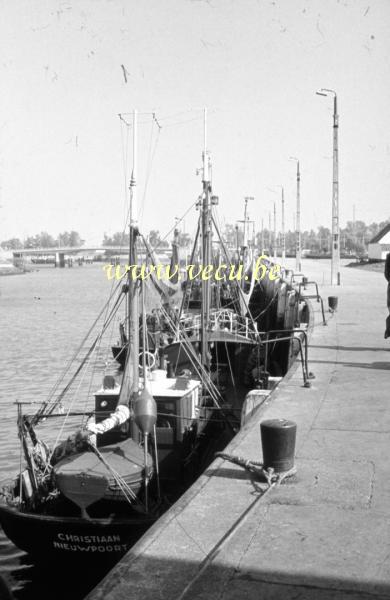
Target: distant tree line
column 354, row 238
column 68, row 239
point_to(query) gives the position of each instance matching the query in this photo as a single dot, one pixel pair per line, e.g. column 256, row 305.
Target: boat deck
column 324, row 533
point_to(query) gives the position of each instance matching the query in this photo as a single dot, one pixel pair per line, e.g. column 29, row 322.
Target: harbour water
column 44, row 316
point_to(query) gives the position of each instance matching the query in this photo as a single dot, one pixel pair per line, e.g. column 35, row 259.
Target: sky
column 68, row 69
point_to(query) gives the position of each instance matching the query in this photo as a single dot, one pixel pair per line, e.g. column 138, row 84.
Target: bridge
column 60, row 256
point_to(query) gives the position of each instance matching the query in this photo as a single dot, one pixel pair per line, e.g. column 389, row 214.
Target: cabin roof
column 160, row 385
column 377, row 238
column 175, row 387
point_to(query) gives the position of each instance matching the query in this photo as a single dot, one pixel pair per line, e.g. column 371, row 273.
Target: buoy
column 145, row 411
column 145, row 416
column 278, row 443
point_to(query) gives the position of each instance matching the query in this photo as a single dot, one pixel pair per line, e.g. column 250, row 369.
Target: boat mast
column 130, row 380
column 206, row 249
column 144, row 405
column 133, row 296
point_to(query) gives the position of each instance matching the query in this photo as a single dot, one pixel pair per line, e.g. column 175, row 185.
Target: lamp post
column 269, row 233
column 283, row 237
column 335, row 264
column 283, row 232
column 246, row 220
column 298, row 248
column 262, row 236
column 275, row 231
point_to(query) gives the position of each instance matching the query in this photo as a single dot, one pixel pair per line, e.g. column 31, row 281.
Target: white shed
column 379, row 246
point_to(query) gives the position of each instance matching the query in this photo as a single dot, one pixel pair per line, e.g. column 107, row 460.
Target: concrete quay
column 324, row 533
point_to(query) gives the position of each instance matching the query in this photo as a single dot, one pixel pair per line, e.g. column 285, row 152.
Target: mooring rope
column 272, row 477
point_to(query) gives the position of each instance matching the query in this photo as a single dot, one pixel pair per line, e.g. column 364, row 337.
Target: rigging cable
column 200, row 370
column 149, row 165
column 66, row 389
column 55, row 387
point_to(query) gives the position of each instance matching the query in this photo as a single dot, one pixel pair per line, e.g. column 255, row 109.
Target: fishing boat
column 94, row 493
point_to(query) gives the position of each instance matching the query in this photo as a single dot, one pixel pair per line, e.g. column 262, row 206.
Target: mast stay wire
column 215, row 220
column 150, row 161
column 260, row 314
column 91, row 351
column 191, row 354
column 125, row 154
column 175, row 225
column 77, row 352
column 151, row 153
column 200, row 371
column 108, row 319
column 240, row 291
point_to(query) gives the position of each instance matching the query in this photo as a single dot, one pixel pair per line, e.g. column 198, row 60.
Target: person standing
column 387, row 275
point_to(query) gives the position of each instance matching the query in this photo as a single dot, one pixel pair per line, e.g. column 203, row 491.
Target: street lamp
column 283, row 232
column 246, row 220
column 298, row 248
column 335, row 264
column 275, row 231
column 283, row 236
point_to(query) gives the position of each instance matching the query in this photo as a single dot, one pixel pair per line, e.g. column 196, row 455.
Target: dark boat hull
column 52, row 537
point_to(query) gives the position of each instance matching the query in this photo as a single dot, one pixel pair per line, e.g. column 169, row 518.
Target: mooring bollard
column 333, row 301
column 278, row 443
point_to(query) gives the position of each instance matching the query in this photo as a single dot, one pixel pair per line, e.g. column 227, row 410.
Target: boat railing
column 221, row 319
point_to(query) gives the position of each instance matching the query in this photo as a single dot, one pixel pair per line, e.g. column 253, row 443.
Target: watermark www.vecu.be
column 221, row 272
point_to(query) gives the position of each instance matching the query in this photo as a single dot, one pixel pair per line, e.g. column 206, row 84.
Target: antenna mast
column 133, row 297
column 206, row 249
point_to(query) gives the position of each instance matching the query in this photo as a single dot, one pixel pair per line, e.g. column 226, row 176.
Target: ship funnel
column 145, row 411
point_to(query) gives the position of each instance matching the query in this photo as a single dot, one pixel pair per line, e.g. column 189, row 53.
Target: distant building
column 379, row 246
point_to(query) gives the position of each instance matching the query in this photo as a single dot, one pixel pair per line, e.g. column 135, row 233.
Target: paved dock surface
column 323, row 534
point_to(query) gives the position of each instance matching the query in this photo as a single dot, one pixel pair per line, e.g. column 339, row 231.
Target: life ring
column 150, row 359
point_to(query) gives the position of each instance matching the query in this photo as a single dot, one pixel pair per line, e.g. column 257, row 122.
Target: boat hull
column 52, row 537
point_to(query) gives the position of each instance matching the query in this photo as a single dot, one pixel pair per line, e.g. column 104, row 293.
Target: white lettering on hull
column 100, row 548
column 89, row 543
column 87, row 539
